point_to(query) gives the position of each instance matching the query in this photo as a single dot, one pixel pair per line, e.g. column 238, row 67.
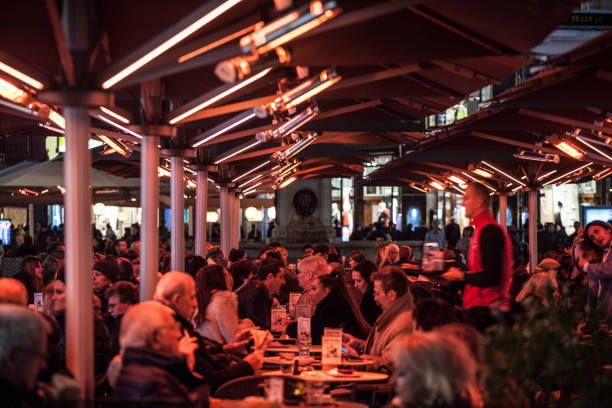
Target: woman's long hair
column 336, row 285
column 208, row 279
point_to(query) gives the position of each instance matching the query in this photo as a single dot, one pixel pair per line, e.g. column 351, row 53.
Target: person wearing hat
column 597, row 234
column 105, row 273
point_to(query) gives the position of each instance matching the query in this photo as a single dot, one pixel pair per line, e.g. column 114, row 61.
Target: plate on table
column 335, row 373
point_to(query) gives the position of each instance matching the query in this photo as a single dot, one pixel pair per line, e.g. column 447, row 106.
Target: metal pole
column 31, row 219
column 236, row 223
column 503, row 203
column 225, row 240
column 533, row 230
column 149, row 231
column 177, row 202
column 77, row 201
column 200, row 212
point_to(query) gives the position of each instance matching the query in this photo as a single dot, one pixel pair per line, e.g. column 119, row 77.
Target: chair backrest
column 241, row 387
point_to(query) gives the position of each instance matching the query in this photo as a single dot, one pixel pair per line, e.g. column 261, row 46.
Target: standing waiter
column 487, row 282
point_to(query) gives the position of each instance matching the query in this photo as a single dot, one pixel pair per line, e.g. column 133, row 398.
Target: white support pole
column 149, row 230
column 235, row 236
column 77, row 202
column 177, row 202
column 533, row 230
column 31, row 219
column 225, row 240
column 200, row 212
column 503, row 205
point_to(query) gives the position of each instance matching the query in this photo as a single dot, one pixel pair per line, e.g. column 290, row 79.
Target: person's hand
column 453, row 274
column 255, row 359
column 187, row 346
column 350, row 351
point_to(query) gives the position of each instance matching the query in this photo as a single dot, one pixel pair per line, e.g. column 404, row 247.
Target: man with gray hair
column 153, row 369
column 23, row 353
column 177, row 291
column 309, row 269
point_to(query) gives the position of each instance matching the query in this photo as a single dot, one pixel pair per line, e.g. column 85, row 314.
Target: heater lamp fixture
column 537, row 156
column 238, row 68
column 294, row 149
column 456, row 179
column 602, row 174
column 289, row 126
column 422, row 189
column 480, row 171
column 287, row 182
column 288, row 27
column 569, row 173
column 209, row 99
column 26, row 79
column 242, row 148
column 208, row 16
column 254, row 169
column 500, row 171
column 224, row 127
column 567, row 147
column 115, row 115
column 437, row 185
column 305, row 90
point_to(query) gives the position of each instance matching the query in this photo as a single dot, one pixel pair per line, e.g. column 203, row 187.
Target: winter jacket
column 221, row 322
column 153, row 379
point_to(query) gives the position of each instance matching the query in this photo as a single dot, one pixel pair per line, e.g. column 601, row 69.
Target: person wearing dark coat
column 30, row 274
column 176, row 290
column 255, row 296
column 361, row 277
column 335, row 308
column 153, row 371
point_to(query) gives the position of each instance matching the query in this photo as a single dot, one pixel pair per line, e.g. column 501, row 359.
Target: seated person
column 430, row 313
column 255, row 298
column 23, row 354
column 392, row 295
column 362, row 272
column 217, row 315
column 308, row 270
column 153, row 369
column 177, row 290
column 120, row 296
column 434, row 370
column 335, row 308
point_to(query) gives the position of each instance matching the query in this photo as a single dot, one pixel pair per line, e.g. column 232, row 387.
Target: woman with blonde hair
column 434, row 369
column 391, row 256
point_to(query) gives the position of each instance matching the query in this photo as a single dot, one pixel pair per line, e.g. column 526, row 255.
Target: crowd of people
column 195, row 335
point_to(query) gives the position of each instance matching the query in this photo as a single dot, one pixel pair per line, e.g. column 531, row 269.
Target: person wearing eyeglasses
column 153, row 371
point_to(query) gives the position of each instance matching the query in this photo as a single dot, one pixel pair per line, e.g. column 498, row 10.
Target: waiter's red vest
column 487, row 296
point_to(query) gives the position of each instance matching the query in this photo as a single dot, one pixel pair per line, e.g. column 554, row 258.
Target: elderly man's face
column 186, row 303
column 99, row 282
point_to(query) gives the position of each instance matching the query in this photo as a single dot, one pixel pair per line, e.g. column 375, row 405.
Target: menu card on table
column 277, row 319
column 303, row 330
column 331, row 347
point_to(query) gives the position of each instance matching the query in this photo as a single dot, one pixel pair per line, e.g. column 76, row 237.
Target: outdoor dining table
column 321, row 376
column 316, row 362
column 291, row 348
column 261, row 402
